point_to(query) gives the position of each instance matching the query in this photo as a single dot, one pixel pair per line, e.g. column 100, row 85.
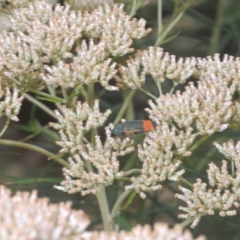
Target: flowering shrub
column 62, row 54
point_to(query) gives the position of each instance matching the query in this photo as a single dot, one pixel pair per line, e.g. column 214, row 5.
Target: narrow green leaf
column 37, row 180
column 52, row 99
column 129, row 201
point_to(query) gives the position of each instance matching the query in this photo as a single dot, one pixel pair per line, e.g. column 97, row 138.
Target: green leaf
column 123, row 223
column 48, row 97
column 52, row 99
column 37, row 180
column 129, row 201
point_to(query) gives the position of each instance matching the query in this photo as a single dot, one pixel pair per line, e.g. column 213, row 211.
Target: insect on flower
column 130, row 128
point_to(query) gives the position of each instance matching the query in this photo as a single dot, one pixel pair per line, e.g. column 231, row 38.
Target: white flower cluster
column 73, row 124
column 44, row 34
column 157, row 155
column 223, row 198
column 72, row 127
column 19, row 64
column 225, row 71
column 102, row 158
column 160, row 231
column 10, row 103
column 208, row 106
column 117, row 29
column 50, row 33
column 131, row 76
column 162, row 65
column 90, row 65
column 180, row 118
column 24, row 216
column 230, row 151
column 157, row 63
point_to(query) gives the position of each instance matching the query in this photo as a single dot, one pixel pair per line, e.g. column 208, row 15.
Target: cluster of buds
column 157, row 63
column 159, row 231
column 223, row 197
column 72, row 127
column 131, row 76
column 157, row 154
column 207, row 106
column 90, row 65
column 225, row 71
column 104, row 159
column 10, row 103
column 42, row 34
column 24, row 216
column 160, row 65
column 43, row 220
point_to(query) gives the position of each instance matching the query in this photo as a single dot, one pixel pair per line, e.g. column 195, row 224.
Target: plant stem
column 198, row 143
column 132, row 171
column 53, row 93
column 36, row 149
column 124, row 107
column 148, row 93
column 168, row 29
column 186, row 182
column 104, row 208
column 130, row 111
column 5, row 127
column 90, row 89
column 40, row 105
column 119, row 202
column 186, row 223
column 217, row 27
column 159, row 87
column 173, row 88
column 159, row 17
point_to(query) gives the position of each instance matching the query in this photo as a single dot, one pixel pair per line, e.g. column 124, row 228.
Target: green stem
column 148, row 93
column 73, row 97
column 130, row 163
column 198, row 143
column 90, row 89
column 53, row 93
column 173, row 88
column 136, row 5
column 40, row 105
column 130, row 111
column 222, row 4
column 124, row 107
column 104, row 209
column 186, row 223
column 5, row 127
column 118, row 203
column 133, row 10
column 132, row 171
column 168, row 29
column 34, row 134
column 159, row 17
column 159, row 87
column 64, row 92
column 186, row 182
column 36, row 149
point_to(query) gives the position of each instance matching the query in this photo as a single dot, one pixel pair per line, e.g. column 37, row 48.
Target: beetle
column 130, row 128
